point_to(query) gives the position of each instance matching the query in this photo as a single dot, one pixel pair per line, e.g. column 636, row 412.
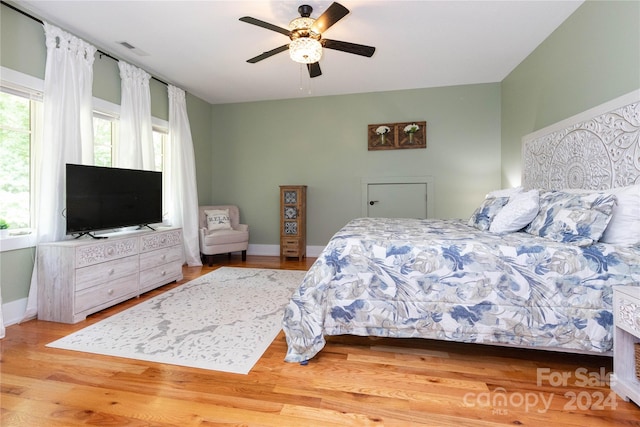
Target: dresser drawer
column 160, row 257
column 160, row 239
column 626, row 311
column 87, row 277
column 105, row 251
column 290, row 242
column 88, row 298
column 289, row 251
column 162, row 274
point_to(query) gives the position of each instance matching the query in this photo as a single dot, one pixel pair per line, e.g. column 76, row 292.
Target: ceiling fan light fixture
column 305, row 50
column 302, row 23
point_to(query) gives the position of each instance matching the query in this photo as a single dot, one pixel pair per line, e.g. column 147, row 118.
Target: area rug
column 222, row 321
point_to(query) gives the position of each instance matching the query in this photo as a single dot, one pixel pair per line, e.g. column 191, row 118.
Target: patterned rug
column 222, row 321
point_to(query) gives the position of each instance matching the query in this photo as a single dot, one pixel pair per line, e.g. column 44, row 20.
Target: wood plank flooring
column 354, row 381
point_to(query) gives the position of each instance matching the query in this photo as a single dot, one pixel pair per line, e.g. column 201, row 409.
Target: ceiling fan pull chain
column 303, row 69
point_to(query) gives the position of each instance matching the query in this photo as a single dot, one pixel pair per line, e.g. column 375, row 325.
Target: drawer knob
column 110, row 291
column 111, row 272
column 164, row 273
column 164, row 257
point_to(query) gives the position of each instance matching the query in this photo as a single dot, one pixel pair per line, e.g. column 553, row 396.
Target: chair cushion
column 222, row 237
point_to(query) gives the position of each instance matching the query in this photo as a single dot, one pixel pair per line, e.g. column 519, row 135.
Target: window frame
column 29, row 87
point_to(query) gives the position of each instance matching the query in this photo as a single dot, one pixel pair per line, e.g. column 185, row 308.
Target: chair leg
column 244, row 255
column 206, row 259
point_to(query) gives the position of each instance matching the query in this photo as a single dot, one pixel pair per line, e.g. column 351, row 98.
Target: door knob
column 373, row 202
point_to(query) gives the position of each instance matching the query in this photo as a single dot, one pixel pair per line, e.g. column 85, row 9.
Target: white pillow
column 218, row 219
column 624, row 227
column 521, row 209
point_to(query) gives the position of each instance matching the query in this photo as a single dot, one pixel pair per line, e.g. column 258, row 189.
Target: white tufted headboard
column 595, row 150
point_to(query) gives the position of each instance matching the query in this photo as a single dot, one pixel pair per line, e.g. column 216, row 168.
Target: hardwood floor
column 353, row 381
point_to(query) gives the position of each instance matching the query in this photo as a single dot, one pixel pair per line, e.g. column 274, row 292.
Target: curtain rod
column 22, row 12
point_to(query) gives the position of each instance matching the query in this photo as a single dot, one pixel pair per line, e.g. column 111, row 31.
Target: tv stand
column 79, row 277
column 142, row 227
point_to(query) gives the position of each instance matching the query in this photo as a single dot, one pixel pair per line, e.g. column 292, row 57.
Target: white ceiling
column 202, row 47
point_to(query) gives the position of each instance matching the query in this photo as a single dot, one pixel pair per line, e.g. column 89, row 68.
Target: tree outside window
column 15, row 159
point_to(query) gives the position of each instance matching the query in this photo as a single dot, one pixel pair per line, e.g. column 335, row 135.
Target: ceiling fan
column 305, row 34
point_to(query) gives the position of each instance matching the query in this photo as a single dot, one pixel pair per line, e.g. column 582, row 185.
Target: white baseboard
column 13, row 311
column 274, row 250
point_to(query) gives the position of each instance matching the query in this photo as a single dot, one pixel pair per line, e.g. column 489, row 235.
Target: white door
column 397, row 200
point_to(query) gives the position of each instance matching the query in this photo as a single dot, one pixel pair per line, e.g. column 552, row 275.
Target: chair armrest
column 243, row 227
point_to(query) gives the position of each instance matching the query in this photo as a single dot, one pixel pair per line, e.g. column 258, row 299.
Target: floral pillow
column 482, row 217
column 578, row 219
column 218, row 219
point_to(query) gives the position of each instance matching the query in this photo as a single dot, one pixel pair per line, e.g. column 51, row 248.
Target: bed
column 533, row 267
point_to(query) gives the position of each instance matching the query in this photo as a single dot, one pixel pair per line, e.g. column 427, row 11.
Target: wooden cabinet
column 80, row 277
column 293, row 221
column 625, row 380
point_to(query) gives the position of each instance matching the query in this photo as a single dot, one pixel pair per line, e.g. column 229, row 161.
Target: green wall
column 322, row 142
column 593, row 57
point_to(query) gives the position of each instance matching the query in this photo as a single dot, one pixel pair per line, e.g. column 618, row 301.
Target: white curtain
column 182, row 200
column 67, row 135
column 135, row 147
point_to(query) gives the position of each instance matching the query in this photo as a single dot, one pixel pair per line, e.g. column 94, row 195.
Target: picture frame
column 377, row 141
column 396, row 137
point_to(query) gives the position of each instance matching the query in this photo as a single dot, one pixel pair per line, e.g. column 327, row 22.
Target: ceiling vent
column 133, row 49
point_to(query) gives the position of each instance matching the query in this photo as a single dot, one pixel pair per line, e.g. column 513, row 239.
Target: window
column 19, row 113
column 104, row 133
column 159, row 147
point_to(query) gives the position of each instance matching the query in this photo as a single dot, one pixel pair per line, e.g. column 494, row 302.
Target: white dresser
column 80, row 277
column 626, row 321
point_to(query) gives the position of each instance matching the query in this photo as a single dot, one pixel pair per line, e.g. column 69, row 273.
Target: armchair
column 219, row 234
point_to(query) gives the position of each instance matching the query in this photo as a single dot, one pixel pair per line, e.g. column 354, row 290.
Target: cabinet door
column 397, row 200
column 290, row 212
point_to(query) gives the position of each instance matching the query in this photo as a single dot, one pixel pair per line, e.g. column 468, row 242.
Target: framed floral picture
column 381, row 136
column 393, row 136
column 412, row 135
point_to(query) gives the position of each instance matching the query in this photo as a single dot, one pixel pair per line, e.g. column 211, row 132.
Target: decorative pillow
column 218, row 219
column 579, row 219
column 482, row 217
column 521, row 209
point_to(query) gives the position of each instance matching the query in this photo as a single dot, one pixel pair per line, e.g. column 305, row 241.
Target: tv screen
column 102, row 198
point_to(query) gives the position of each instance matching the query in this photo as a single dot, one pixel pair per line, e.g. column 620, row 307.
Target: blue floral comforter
column 443, row 279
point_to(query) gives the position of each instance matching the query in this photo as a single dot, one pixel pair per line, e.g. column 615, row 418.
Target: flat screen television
column 103, row 198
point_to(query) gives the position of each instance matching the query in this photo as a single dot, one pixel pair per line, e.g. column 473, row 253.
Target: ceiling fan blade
column 267, row 54
column 333, row 14
column 358, row 49
column 259, row 23
column 314, row 70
